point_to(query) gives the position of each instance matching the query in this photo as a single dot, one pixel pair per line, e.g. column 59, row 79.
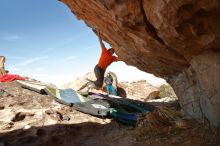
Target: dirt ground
column 31, row 119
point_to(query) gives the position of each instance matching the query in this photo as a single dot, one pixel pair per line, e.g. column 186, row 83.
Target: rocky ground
column 31, row 119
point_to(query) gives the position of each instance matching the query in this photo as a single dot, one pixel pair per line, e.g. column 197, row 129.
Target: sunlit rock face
column 175, row 39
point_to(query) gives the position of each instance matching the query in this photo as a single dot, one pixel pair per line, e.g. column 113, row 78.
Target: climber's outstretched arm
column 100, row 40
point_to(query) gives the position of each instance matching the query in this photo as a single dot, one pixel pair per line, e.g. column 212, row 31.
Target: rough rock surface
column 162, row 37
column 198, row 87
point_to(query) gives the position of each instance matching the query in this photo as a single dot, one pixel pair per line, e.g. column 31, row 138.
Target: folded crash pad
column 99, row 108
column 65, row 96
column 34, row 85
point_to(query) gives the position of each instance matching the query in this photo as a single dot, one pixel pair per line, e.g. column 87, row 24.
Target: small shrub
column 166, row 91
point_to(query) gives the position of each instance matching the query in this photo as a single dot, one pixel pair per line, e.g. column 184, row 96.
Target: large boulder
column 81, row 82
column 139, row 90
column 165, row 38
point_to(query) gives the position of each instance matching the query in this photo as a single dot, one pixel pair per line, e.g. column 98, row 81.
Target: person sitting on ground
column 105, row 60
column 2, row 66
column 109, row 86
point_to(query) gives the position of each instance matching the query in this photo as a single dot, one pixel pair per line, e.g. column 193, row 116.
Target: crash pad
column 125, row 103
column 124, row 110
column 34, row 85
column 98, row 108
column 65, row 96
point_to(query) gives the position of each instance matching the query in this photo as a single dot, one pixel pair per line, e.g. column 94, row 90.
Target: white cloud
column 93, row 47
column 32, row 60
column 48, row 50
column 72, row 39
column 14, row 58
column 12, row 69
column 69, row 58
column 56, row 79
column 11, row 37
column 130, row 73
column 40, row 69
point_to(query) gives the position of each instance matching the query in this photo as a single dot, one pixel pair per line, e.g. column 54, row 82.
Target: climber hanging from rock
column 105, row 60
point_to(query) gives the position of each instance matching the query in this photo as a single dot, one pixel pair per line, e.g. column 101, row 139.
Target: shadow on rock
column 121, row 92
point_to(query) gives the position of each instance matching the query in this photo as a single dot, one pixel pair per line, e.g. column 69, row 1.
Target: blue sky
column 43, row 39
